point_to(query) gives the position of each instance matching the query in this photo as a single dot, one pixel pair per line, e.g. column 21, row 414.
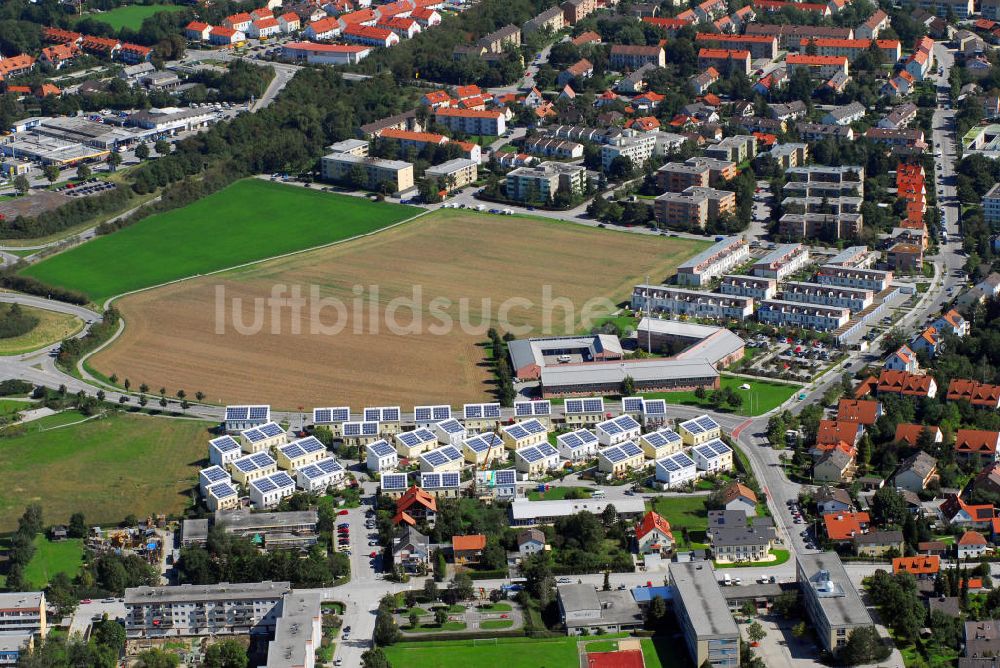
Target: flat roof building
column 654, row 375
column 830, row 598
column 530, row 513
column 709, row 631
column 691, row 303
column 713, row 261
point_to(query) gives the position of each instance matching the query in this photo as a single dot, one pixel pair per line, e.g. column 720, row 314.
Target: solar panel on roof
column 614, row 454
column 626, row 422
column 471, row 411
column 262, row 460
column 451, row 426
column 522, row 408
column 322, row 415
column 692, row 426
column 532, row 426
column 632, row 404
column 630, row 448
column 610, row 427
column 271, row 429
column 236, row 412
column 214, row 474
column 224, row 444
column 517, row 432
column 434, row 458
column 408, row 438
column 222, row 490
column 442, row 412
column 656, row 439
column 669, row 464
column 381, row 448
column 506, row 477
column 707, row 423
column 282, row 479
column 394, row 481
column 422, row 413
column 352, row 428
column 451, row 479
column 391, row 414
column 593, row 405
column 264, row 485
column 252, row 435
column 329, row 465
column 542, row 407
column 573, row 406
column 491, row 410
column 654, row 407
column 311, row 444
column 369, row 428
column 259, row 412
column 245, row 465
column 570, row 440
column 372, row 414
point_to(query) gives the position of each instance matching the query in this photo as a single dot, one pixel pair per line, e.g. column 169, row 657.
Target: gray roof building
column 830, row 598
column 705, row 620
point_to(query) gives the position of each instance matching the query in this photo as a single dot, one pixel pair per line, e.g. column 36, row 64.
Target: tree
column 21, row 184
column 142, row 151
column 77, row 526
column 143, row 388
column 657, row 612
column 607, row 581
column 229, row 653
column 628, row 386
column 462, row 586
column 375, row 658
column 888, row 507
column 756, row 632
column 609, row 516
column 440, row 616
column 863, row 646
column 109, row 633
column 51, row 173
column 83, row 172
column 114, row 160
column 431, row 589
column 162, row 146
column 414, row 618
column 199, row 396
column 156, row 658
column 386, row 632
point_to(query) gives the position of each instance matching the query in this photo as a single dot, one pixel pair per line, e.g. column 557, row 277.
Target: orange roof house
column 922, row 565
column 907, row 384
column 977, row 394
column 653, row 533
column 414, row 505
column 958, row 512
column 862, row 411
column 468, row 549
column 971, row 442
column 834, row 431
column 909, row 433
column 845, row 526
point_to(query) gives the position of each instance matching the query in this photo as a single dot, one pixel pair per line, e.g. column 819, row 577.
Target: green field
column 107, row 468
column 684, row 512
column 765, row 395
column 51, row 558
column 556, row 493
column 519, row 653
column 130, row 16
column 250, row 220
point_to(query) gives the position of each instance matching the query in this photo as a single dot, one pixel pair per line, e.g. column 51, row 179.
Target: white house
column 577, row 445
column 450, row 432
column 618, row 430
column 222, row 496
column 381, row 456
column 268, row 492
column 530, row 541
column 426, row 416
column 972, row 545
column 653, row 534
column 316, row 477
column 223, row 450
column 675, row 470
column 713, row 457
column 264, row 28
column 245, row 417
column 211, row 475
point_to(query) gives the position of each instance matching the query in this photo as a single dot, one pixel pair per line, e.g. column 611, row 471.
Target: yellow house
column 361, row 433
column 483, row 449
column 584, row 412
column 524, row 434
column 333, row 418
column 660, row 443
column 389, row 419
column 410, row 444
column 300, row 453
column 445, row 458
column 262, row 438
column 620, row 460
column 252, row 467
column 699, row 430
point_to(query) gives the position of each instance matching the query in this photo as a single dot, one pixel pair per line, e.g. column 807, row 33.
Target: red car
column 342, row 512
column 373, row 555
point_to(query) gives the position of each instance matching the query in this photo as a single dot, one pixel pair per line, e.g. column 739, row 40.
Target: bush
column 15, row 322
column 14, row 386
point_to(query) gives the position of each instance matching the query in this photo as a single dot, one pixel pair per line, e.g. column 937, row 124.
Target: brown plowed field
column 171, row 337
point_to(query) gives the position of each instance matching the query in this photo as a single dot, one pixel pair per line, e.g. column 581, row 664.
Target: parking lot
column 789, row 358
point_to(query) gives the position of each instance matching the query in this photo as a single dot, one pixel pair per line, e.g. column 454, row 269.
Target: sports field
column 523, row 653
column 250, row 220
column 52, row 327
column 185, row 335
column 130, row 16
column 107, row 468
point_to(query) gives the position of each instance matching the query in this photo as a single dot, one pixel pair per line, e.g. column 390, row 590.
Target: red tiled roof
column 803, row 59
column 832, row 431
column 473, row 542
column 844, row 526
column 650, row 521
column 918, row 565
column 972, row 538
column 976, row 440
column 863, row 411
column 904, row 382
column 909, row 433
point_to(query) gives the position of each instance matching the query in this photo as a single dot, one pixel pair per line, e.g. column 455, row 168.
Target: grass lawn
column 434, row 628
column 781, row 556
column 496, row 624
column 107, row 467
column 9, row 406
column 602, row 646
column 51, row 558
column 130, row 16
column 495, row 607
column 684, row 512
column 556, row 493
column 52, row 327
column 507, row 652
column 766, row 395
column 216, row 232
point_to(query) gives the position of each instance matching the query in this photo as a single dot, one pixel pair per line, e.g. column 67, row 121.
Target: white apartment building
column 855, row 299
column 991, row 205
column 754, row 287
column 875, row 280
column 638, row 148
column 691, row 303
column 713, row 261
column 825, row 181
column 783, row 261
column 783, row 313
column 23, row 611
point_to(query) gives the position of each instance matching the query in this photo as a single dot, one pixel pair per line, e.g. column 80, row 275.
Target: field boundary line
column 86, row 376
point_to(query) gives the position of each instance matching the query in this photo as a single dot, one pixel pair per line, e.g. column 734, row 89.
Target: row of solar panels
column 243, row 413
column 398, row 482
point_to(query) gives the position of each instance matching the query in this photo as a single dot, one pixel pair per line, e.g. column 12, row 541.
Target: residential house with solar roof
column 360, row 433
column 263, row 438
column 483, row 449
column 389, row 419
column 320, row 475
column 618, row 430
column 577, row 446
column 584, row 412
column 536, row 460
column 633, row 406
column 415, row 505
column 660, row 443
column 426, row 416
column 713, row 457
column 268, row 492
column 211, row 475
column 481, row 417
column 239, row 418
column 540, row 410
column 411, row 444
column 676, row 470
column 699, row 430
column 496, row 484
column 293, row 456
column 380, row 456
column 224, row 450
column 620, row 460
column 439, row 460
column 449, row 432
column 447, row 485
column 252, row 467
column 654, row 413
column 524, row 434
column 222, row 496
column 393, row 484
column 333, row 418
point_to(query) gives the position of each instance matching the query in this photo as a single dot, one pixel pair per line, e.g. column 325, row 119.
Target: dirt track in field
column 172, row 335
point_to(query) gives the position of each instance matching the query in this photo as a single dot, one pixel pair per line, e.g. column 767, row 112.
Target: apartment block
column 393, row 175
column 638, row 148
column 825, row 181
column 471, row 121
column 991, row 204
column 734, row 149
column 23, row 611
column 821, row 67
column 824, row 226
column 714, row 261
column 783, row 261
column 789, row 155
column 694, row 207
column 855, row 299
column 962, row 9
column 852, row 277
column 782, row 313
column 724, row 61
column 759, row 46
column 754, row 287
column 789, row 34
column 709, row 631
column 632, row 57
column 813, row 132
column 830, row 598
column 852, row 48
column 455, row 173
column 541, row 181
column 676, row 177
column 832, row 205
column 717, row 169
column 691, row 303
